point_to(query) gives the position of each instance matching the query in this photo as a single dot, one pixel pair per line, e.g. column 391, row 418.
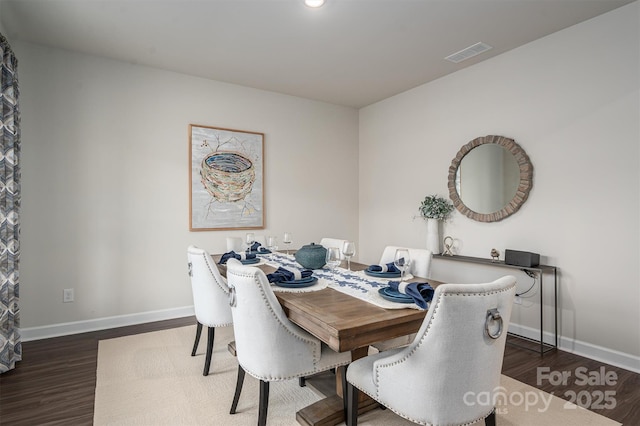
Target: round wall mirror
column 490, row 178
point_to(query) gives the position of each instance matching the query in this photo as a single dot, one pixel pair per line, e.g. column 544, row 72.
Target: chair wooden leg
column 231, row 347
column 195, row 344
column 302, row 382
column 352, row 405
column 236, row 396
column 207, row 361
column 343, row 373
column 264, row 403
column 490, row 420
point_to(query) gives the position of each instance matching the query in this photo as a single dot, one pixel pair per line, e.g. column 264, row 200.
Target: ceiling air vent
column 468, row 52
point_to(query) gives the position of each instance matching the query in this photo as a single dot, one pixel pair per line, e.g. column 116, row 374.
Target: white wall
column 105, row 180
column 571, row 101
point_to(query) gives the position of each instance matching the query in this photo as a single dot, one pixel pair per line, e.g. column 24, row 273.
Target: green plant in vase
column 434, row 209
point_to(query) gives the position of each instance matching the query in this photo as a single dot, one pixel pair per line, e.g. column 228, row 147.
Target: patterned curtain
column 10, row 342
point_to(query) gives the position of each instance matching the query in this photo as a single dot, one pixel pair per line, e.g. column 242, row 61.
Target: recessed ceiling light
column 314, row 3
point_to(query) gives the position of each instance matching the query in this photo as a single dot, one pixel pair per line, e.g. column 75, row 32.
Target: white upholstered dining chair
column 453, row 365
column 235, row 244
column 210, row 299
column 270, row 347
column 333, row 242
column 238, row 244
column 420, row 267
column 420, row 260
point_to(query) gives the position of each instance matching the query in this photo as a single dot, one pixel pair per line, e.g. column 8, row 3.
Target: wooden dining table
column 344, row 323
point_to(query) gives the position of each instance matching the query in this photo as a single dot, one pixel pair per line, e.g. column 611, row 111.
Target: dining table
column 346, row 313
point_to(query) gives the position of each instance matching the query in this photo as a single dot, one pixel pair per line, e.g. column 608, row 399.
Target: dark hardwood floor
column 588, row 383
column 55, row 382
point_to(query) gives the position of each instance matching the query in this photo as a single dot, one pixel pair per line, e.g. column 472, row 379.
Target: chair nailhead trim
column 207, row 261
column 420, row 342
column 316, row 359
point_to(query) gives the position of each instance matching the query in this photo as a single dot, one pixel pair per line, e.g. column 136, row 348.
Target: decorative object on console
column 433, row 236
column 434, row 209
column 311, row 256
column 495, row 255
column 448, row 246
column 521, row 258
column 490, row 178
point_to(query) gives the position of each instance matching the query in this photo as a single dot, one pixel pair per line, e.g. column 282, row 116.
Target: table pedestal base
column 330, row 411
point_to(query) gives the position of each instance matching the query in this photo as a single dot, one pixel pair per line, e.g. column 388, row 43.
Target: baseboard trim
column 68, row 328
column 587, row 350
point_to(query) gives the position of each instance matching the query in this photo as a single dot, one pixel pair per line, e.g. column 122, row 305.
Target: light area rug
column 152, row 379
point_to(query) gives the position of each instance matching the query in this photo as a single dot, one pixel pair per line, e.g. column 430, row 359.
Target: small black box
column 521, row 258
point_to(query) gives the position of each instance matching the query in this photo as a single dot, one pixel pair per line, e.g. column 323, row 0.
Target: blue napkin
column 283, row 274
column 257, row 247
column 233, row 255
column 420, row 292
column 389, row 267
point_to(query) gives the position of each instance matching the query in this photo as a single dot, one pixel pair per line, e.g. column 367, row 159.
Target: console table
column 540, row 269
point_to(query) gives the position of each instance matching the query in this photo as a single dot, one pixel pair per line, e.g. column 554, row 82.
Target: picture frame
column 226, row 179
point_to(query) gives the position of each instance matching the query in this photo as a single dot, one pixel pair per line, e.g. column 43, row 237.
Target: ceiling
column 349, row 52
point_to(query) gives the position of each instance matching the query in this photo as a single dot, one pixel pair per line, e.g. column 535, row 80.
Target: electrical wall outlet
column 517, row 300
column 67, row 295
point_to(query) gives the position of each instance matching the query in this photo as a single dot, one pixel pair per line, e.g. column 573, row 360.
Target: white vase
column 433, row 236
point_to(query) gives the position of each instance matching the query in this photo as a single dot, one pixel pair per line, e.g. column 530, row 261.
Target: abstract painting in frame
column 226, row 179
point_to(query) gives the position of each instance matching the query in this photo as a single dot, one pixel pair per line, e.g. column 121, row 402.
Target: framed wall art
column 226, row 170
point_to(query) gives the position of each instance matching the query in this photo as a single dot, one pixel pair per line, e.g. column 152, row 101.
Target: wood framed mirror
column 490, row 178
